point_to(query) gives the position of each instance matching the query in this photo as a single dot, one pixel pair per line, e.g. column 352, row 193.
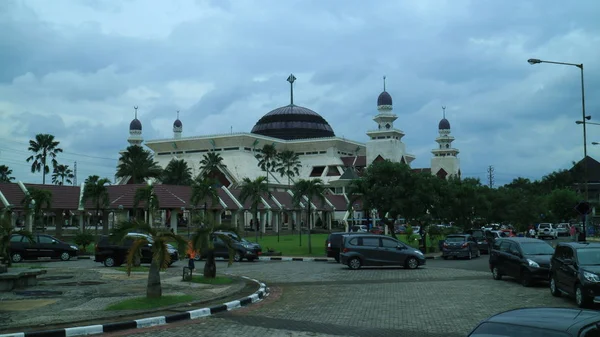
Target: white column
column 276, row 221
column 262, row 222
column 81, row 222
column 174, row 214
column 385, row 229
column 294, row 220
column 219, row 215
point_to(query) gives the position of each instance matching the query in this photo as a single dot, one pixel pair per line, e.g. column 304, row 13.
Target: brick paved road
column 323, row 299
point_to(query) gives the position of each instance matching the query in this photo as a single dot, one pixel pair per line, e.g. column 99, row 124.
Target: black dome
column 177, row 123
column 293, row 122
column 444, row 124
column 384, row 99
column 135, row 125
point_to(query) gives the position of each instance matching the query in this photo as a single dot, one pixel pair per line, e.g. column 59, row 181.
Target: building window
column 333, row 171
column 317, row 171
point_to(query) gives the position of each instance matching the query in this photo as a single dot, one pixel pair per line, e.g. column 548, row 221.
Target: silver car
column 562, row 229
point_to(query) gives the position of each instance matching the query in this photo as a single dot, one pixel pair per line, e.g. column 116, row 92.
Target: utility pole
column 490, row 172
column 75, row 174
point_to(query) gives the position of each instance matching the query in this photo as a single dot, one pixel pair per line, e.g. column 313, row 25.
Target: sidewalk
column 75, row 297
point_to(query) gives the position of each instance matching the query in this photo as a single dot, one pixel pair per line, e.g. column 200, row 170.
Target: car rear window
column 455, row 238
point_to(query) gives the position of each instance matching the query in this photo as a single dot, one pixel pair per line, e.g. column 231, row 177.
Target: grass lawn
column 142, row 303
column 140, row 268
column 216, row 280
column 289, row 245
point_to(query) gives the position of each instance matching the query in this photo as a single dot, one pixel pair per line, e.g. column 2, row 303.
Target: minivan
column 525, row 259
column 378, row 250
column 333, row 244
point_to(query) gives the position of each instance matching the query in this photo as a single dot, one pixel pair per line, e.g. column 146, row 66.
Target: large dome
column 293, row 122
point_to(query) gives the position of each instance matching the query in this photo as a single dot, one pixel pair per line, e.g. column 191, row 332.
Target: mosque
column 333, row 159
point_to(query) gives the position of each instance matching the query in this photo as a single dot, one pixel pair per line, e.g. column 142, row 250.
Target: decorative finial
column 135, row 107
column 384, row 83
column 444, row 111
column 291, row 79
column 177, row 114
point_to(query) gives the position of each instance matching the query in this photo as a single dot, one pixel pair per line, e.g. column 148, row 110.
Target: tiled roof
column 63, row 197
column 13, row 194
column 348, row 161
column 361, row 161
column 236, row 194
column 231, row 204
column 338, row 201
column 284, row 199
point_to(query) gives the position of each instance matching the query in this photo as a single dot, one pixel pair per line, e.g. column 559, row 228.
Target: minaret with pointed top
column 291, row 79
column 385, row 142
column 177, row 127
column 135, row 130
column 445, row 162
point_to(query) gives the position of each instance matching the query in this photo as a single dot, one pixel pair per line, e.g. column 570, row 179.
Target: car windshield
column 588, row 256
column 536, row 248
column 455, row 239
column 489, row 329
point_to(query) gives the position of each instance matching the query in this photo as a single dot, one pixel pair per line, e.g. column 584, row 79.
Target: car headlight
column 419, row 252
column 74, row 248
column 533, row 263
column 247, row 246
column 591, row 277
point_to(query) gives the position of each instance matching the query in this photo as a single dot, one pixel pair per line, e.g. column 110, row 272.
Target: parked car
column 113, row 252
column 333, row 244
column 509, row 232
column 546, row 230
column 540, row 322
column 479, row 236
column 42, row 246
column 378, row 250
column 255, row 245
column 460, row 245
column 575, row 272
column 242, row 250
column 359, row 229
column 525, row 259
column 562, row 229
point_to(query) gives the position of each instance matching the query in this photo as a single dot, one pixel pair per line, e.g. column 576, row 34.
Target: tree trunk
column 44, row 171
column 154, row 289
column 308, row 219
column 210, row 267
column 60, row 220
column 256, row 223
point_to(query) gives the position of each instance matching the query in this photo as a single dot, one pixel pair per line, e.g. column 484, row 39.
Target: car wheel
column 526, row 278
column 496, row 273
column 354, row 263
column 237, row 257
column 16, row 257
column 65, row 256
column 337, row 259
column 251, row 259
column 411, row 263
column 109, row 262
column 553, row 288
column 581, row 300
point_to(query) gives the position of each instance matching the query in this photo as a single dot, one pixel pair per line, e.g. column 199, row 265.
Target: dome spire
column 383, row 82
column 135, row 108
column 444, row 111
column 291, row 79
column 177, row 114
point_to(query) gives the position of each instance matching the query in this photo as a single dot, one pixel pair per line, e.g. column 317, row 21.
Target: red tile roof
column 236, row 194
column 285, row 199
column 231, row 204
column 63, row 197
column 13, row 194
column 338, row 201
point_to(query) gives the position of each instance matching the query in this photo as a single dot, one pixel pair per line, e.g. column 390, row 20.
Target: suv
column 525, row 259
column 114, row 254
column 38, row 246
column 575, row 271
column 479, row 236
column 563, row 229
column 378, row 250
column 546, row 230
column 333, row 244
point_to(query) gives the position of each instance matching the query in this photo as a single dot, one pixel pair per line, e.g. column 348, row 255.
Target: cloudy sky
column 76, row 68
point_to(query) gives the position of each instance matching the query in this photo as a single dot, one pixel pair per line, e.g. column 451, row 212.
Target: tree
column 62, row 174
column 161, row 258
column 138, row 164
column 288, row 165
column 6, row 174
column 203, row 188
column 146, row 194
column 37, row 200
column 561, row 204
column 96, row 191
column 177, row 172
column 202, row 242
column 212, row 164
column 44, row 147
column 311, row 189
column 253, row 190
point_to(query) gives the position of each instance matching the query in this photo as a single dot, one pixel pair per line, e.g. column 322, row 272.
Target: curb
column 257, row 296
column 315, row 259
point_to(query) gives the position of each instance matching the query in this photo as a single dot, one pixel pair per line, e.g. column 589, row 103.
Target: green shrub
column 84, row 239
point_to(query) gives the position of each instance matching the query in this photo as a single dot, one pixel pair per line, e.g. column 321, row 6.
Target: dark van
column 525, row 259
column 378, row 250
column 333, row 244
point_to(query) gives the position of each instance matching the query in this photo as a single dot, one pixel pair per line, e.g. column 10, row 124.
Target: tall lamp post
column 582, row 122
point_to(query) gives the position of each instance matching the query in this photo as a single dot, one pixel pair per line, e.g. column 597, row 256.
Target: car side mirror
column 400, row 247
column 54, row 241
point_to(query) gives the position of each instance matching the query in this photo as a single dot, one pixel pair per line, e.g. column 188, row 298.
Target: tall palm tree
column 44, row 148
column 253, row 190
column 62, row 174
column 6, row 174
column 95, row 189
column 267, row 161
column 138, row 164
column 40, row 200
column 311, row 189
column 204, row 188
column 161, row 258
column 202, row 242
column 147, row 195
column 177, row 172
column 212, row 164
column 288, row 165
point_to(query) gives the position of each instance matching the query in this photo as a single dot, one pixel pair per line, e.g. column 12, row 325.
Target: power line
column 64, row 152
column 490, row 172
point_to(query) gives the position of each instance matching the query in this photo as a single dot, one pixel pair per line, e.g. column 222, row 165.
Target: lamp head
column 595, row 143
column 578, row 122
column 588, row 117
column 534, row 61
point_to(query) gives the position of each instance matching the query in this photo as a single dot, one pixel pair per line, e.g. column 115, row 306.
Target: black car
column 113, row 252
column 575, row 271
column 41, row 246
column 479, row 235
column 525, row 259
column 333, row 244
column 540, row 322
column 460, row 246
column 242, row 249
column 234, row 236
column 378, row 250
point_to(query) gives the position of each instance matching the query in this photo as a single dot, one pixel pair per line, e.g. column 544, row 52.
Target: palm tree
column 203, row 188
column 147, row 195
column 95, row 190
column 161, row 259
column 202, row 241
column 311, row 188
column 138, row 164
column 61, row 174
column 253, row 190
column 212, row 164
column 39, row 199
column 267, row 159
column 177, row 172
column 44, row 147
column 6, row 174
column 288, row 165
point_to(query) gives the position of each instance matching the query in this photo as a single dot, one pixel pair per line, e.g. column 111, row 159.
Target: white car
column 546, row 230
column 563, row 229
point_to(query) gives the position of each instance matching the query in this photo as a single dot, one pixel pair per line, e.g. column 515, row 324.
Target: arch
column 442, row 173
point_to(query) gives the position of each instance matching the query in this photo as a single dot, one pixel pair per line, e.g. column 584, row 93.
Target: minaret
column 135, row 130
column 177, row 127
column 445, row 162
column 386, row 141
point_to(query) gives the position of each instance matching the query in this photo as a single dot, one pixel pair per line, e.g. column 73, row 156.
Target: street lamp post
column 583, row 122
